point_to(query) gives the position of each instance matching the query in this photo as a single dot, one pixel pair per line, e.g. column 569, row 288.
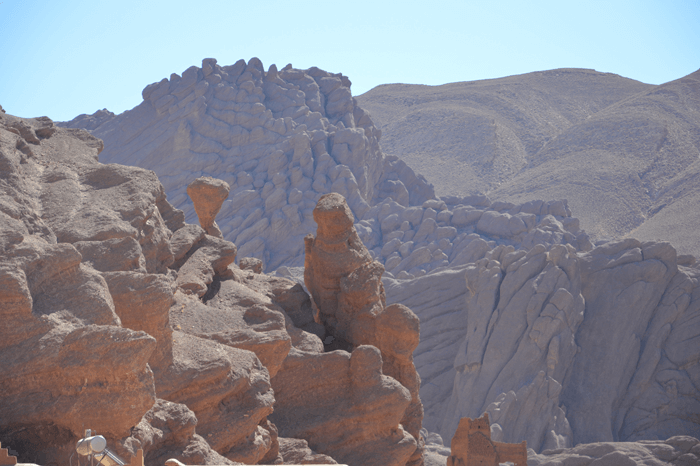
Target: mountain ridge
column 451, row 155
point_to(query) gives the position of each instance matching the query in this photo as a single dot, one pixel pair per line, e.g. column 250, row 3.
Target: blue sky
column 63, row 58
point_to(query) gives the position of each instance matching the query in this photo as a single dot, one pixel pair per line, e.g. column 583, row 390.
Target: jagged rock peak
column 281, row 139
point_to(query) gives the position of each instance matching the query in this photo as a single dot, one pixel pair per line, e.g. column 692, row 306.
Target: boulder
column 207, row 258
column 167, row 431
column 297, row 451
column 207, row 195
column 142, row 302
column 228, row 389
column 337, row 401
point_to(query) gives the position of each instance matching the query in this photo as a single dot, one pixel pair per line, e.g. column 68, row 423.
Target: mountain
column 519, row 311
column 280, row 139
column 624, row 154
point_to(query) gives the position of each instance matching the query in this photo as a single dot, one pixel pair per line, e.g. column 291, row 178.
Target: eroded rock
column 346, row 289
column 207, row 195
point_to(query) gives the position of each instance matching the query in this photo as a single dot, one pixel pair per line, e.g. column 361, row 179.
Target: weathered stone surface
column 346, row 289
column 280, row 139
column 472, row 446
column 297, row 451
column 251, row 263
column 236, row 316
column 335, row 252
column 643, row 329
column 207, row 195
column 675, row 450
column 538, row 302
column 113, row 254
column 640, row 296
column 142, row 302
column 66, row 362
column 184, row 239
column 167, row 431
column 625, row 282
column 69, row 362
column 336, row 401
column 208, row 257
column 227, row 389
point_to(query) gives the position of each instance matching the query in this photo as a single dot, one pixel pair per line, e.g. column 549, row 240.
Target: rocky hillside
column 117, row 316
column 624, row 154
column 519, row 312
column 280, row 139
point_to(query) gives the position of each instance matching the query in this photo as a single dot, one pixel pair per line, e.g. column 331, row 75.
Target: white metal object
column 91, row 445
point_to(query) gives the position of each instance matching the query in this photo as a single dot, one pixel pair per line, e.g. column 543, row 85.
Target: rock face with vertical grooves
column 529, row 339
column 279, row 138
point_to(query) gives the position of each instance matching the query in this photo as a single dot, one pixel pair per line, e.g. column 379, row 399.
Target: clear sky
column 61, row 58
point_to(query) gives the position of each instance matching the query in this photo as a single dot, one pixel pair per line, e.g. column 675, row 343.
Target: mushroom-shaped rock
column 207, row 195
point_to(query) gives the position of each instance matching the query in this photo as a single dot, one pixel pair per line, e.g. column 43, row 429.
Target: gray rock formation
column 679, row 450
column 309, row 147
column 528, row 340
column 280, row 139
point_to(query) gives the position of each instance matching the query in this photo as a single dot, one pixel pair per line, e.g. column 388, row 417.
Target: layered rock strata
column 156, row 340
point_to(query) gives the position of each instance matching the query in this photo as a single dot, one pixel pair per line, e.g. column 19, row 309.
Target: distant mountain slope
column 624, row 154
column 473, row 136
column 633, row 165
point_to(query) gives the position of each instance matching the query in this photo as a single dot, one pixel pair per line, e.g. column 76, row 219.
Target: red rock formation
column 472, row 446
column 348, row 296
column 86, row 291
column 207, row 195
column 119, row 318
column 5, row 458
column 338, row 401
